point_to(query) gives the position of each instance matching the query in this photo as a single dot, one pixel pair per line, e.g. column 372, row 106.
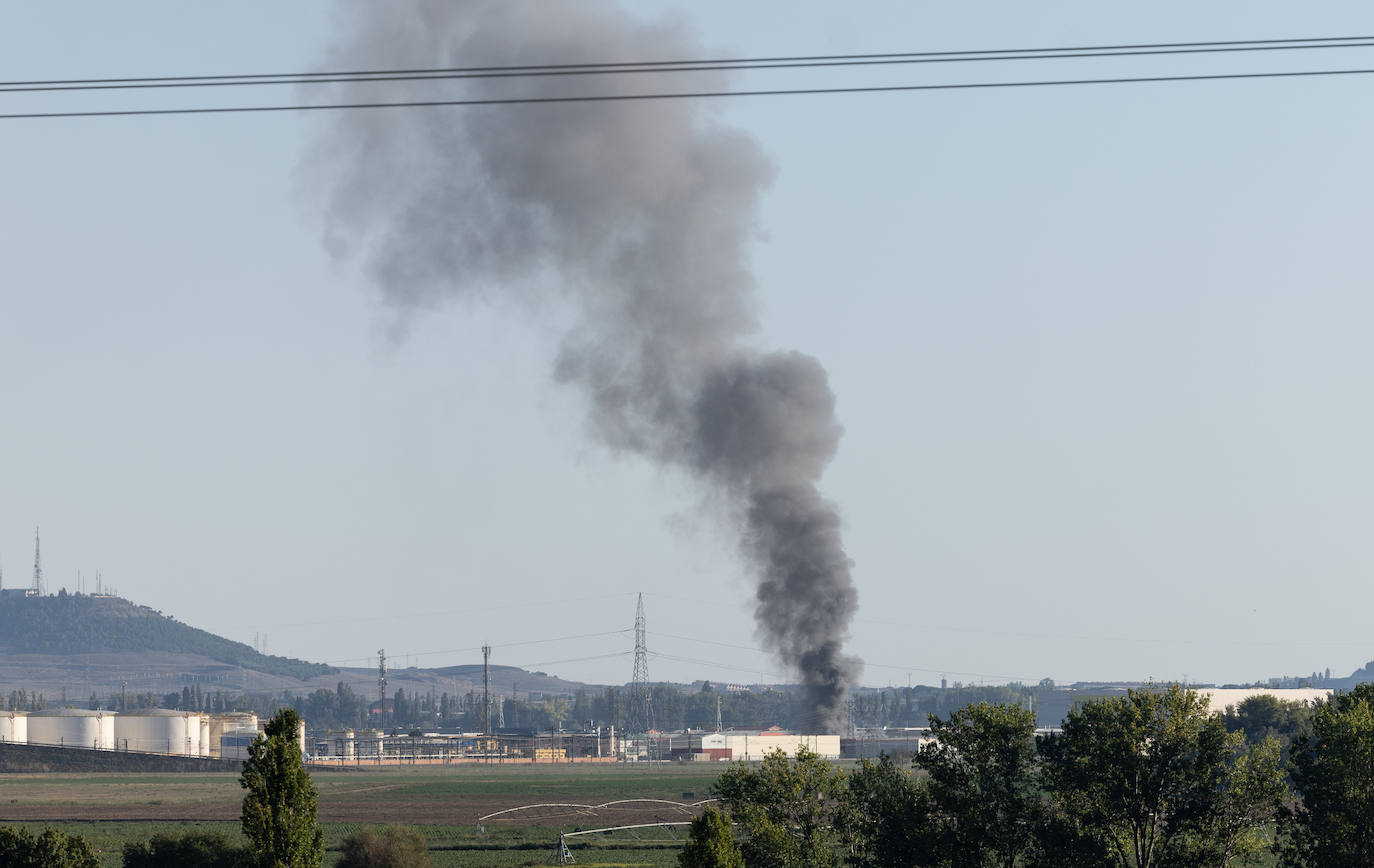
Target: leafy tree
column 279, row 809
column 710, row 843
column 983, row 790
column 1143, row 774
column 1062, row 840
column 1255, row 791
column 787, row 809
column 557, row 709
column 392, row 847
column 1332, row 826
column 886, row 817
column 51, row 849
column 192, row 850
column 1265, row 716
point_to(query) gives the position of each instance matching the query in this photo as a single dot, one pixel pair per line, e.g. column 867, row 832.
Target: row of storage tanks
column 154, row 730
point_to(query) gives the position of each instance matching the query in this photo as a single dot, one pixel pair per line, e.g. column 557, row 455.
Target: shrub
column 391, row 847
column 52, row 849
column 192, row 850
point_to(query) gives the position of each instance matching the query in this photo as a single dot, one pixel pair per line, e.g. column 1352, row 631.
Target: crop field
column 445, row 805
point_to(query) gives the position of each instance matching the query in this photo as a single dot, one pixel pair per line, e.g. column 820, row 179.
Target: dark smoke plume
column 639, row 214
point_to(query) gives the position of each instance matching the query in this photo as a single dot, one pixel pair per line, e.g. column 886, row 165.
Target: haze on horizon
column 1098, row 354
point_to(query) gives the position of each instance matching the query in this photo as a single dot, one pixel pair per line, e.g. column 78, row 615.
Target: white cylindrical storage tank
column 234, row 743
column 341, row 743
column 14, row 727
column 227, row 722
column 158, row 730
column 193, row 728
column 204, row 736
column 72, row 727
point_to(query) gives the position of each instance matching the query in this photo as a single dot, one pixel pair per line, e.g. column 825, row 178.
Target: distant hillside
column 509, row 680
column 82, row 624
column 1364, row 674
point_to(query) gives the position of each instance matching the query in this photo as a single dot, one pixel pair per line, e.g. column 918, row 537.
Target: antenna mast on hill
column 37, row 565
column 486, row 690
column 381, row 683
column 641, row 718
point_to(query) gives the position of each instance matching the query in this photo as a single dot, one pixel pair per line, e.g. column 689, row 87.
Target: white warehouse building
column 754, row 745
column 1220, row 698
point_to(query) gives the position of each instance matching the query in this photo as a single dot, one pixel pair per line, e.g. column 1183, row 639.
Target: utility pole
column 381, row 683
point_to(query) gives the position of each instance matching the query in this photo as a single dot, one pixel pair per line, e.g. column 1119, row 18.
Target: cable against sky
column 669, row 66
column 783, row 63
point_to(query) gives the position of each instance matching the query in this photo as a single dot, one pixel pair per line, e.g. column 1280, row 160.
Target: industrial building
column 892, row 741
column 1220, row 698
column 750, row 745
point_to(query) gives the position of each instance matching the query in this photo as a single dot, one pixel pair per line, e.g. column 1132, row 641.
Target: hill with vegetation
column 85, row 624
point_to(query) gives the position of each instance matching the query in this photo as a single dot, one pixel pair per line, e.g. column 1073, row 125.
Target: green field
column 450, row 846
column 443, row 804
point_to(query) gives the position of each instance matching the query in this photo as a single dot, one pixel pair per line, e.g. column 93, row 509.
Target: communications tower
column 37, row 565
column 486, row 690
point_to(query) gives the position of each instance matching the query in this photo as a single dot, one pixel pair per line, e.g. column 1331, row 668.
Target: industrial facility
column 599, row 745
column 151, row 731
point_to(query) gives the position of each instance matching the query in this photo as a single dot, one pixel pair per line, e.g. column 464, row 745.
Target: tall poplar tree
column 280, row 806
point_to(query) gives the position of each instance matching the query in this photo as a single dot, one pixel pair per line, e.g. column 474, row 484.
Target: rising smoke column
column 639, row 214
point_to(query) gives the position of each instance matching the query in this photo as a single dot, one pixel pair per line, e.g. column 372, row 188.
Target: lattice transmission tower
column 641, row 710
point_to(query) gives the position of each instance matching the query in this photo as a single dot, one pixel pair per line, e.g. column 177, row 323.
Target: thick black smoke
column 639, row 213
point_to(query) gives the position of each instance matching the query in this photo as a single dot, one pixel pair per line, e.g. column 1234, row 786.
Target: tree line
column 672, row 707
column 1151, row 779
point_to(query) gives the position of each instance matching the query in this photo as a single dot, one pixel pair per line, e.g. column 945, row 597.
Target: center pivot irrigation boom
column 564, row 856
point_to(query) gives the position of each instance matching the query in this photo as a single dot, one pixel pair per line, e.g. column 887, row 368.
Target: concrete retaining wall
column 31, row 758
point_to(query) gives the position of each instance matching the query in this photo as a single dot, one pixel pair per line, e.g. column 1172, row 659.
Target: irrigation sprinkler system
column 564, row 856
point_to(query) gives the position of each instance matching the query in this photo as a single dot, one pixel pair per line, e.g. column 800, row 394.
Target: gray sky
column 1100, row 354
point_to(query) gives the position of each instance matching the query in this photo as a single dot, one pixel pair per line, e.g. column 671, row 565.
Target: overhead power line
column 732, row 62
column 500, row 645
column 681, row 66
column 641, row 97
